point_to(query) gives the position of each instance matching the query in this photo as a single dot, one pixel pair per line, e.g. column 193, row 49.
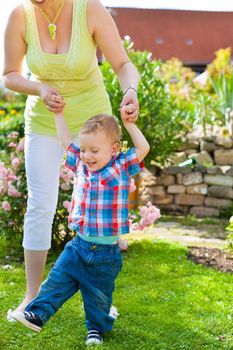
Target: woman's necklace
column 51, row 24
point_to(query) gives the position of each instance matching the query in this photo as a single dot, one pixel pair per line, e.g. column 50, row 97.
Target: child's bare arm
column 63, row 132
column 141, row 145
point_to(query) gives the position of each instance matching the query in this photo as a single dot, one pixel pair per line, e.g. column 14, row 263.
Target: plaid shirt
column 99, row 205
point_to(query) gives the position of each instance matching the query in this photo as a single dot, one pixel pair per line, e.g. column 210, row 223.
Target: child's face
column 96, row 149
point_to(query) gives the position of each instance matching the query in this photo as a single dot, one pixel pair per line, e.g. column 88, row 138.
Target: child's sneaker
column 94, row 337
column 28, row 319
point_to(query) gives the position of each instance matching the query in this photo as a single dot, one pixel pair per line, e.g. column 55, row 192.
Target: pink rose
column 3, row 171
column 6, row 206
column 157, row 214
column 143, row 211
column 70, row 174
column 11, row 176
column 67, row 205
column 20, row 146
column 65, row 186
column 145, row 222
column 153, row 210
column 141, row 227
column 15, row 162
column 149, row 214
column 12, row 145
column 66, row 174
column 12, row 192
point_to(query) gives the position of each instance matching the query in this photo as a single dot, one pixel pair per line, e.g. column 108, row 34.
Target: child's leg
column 57, row 288
column 98, row 286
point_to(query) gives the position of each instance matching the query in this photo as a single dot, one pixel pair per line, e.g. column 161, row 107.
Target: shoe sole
column 19, row 316
column 93, row 342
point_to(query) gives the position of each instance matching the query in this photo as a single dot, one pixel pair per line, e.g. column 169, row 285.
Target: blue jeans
column 90, row 268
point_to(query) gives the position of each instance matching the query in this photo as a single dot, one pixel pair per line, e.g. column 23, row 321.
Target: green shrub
column 221, row 65
column 223, row 88
column 11, row 119
column 161, row 121
column 220, row 87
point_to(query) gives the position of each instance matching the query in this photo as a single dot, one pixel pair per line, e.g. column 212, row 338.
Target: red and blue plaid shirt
column 99, row 205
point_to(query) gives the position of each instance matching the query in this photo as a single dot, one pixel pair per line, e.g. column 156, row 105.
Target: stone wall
column 203, row 189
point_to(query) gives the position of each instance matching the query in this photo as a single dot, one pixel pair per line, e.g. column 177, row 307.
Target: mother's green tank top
column 75, row 75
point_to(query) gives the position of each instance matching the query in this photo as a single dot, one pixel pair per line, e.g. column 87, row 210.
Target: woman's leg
column 43, row 156
column 59, row 286
column 34, row 269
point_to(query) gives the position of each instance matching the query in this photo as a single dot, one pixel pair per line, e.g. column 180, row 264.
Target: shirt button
column 93, row 198
column 92, row 214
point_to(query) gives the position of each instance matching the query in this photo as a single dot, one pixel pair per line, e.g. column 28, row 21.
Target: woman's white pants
column 43, row 155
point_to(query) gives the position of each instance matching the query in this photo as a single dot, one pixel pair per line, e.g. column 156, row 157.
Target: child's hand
column 126, row 112
column 130, row 97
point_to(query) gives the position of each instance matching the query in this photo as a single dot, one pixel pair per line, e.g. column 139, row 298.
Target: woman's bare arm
column 15, row 48
column 105, row 33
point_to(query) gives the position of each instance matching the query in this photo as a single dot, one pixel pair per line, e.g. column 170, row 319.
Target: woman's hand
column 130, row 98
column 53, row 101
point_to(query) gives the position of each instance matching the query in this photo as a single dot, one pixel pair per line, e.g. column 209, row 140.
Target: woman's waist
column 77, row 100
column 75, row 85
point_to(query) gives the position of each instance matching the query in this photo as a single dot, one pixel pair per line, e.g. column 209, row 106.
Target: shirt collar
column 108, row 175
column 99, row 171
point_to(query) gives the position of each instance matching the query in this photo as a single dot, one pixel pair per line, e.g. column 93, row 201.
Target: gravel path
column 203, row 235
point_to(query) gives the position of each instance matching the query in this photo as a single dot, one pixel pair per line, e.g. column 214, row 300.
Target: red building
column 191, row 36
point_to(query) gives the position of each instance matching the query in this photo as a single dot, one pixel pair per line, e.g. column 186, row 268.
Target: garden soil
column 212, row 257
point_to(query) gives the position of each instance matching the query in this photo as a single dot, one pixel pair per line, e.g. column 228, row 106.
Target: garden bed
column 212, row 257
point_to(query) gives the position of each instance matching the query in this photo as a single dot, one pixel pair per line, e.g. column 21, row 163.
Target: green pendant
column 52, row 30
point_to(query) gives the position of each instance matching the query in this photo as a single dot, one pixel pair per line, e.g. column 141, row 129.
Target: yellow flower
column 2, row 112
column 13, row 111
column 124, row 146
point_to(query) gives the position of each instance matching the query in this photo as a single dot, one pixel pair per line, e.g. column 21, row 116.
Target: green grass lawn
column 166, row 303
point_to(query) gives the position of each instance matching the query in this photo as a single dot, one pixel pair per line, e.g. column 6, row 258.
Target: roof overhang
column 198, row 5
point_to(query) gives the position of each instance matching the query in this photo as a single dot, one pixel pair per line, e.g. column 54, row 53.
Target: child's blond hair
column 104, row 122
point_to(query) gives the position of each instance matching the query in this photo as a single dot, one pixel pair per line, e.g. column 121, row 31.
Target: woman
column 59, row 39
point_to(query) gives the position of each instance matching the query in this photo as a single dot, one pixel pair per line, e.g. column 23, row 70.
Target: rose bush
column 13, row 192
column 13, row 195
